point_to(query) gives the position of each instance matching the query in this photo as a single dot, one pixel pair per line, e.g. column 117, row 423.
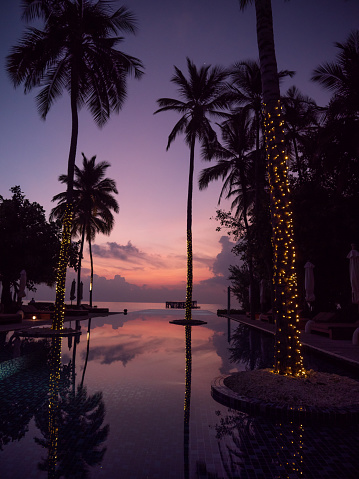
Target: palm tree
column 235, row 162
column 246, row 92
column 201, row 95
column 288, row 358
column 300, row 118
column 93, row 205
column 75, row 51
column 342, row 77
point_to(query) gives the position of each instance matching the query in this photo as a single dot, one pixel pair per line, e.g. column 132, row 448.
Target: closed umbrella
column 353, row 257
column 21, row 294
column 72, row 291
column 309, row 282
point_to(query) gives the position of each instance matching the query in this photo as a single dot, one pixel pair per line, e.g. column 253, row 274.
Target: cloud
column 225, row 258
column 212, row 290
column 126, row 351
column 127, row 253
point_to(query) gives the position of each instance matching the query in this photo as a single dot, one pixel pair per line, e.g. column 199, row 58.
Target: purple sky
column 144, row 258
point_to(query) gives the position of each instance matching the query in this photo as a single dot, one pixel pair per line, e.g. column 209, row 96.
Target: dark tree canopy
column 27, row 241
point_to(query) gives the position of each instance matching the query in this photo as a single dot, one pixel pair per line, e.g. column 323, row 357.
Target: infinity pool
column 132, row 399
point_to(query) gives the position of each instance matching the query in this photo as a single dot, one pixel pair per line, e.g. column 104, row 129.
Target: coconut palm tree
column 201, row 96
column 75, row 51
column 235, row 165
column 288, row 357
column 245, row 88
column 300, row 118
column 93, row 206
column 342, row 77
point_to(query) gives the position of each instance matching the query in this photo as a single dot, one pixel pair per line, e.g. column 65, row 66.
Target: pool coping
column 253, row 406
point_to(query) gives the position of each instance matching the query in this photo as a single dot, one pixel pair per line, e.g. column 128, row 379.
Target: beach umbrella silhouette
column 72, row 292
column 353, row 257
column 309, row 282
column 21, row 294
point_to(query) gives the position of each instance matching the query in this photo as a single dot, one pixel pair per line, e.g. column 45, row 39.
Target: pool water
column 132, row 399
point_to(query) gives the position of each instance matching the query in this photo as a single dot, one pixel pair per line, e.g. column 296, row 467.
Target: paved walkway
column 341, row 349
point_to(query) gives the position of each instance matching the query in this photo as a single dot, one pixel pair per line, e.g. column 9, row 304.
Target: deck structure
column 180, row 305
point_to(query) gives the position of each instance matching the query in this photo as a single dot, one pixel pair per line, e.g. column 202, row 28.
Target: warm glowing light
column 59, row 316
column 288, row 359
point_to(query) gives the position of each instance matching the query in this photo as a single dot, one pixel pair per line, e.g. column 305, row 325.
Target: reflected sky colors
column 146, row 251
column 130, row 411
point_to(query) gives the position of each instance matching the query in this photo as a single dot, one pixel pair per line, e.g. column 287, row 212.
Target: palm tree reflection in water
column 240, row 437
column 187, row 399
column 73, row 430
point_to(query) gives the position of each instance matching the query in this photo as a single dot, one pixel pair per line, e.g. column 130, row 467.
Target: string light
column 55, row 374
column 188, row 313
column 59, row 316
column 288, row 359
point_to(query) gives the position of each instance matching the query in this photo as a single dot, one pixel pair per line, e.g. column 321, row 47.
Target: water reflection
column 71, row 422
column 256, row 447
column 187, row 399
column 251, row 348
column 16, row 408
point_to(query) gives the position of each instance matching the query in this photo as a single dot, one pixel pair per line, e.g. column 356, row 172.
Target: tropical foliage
column 27, row 241
column 202, row 96
column 76, row 51
column 93, row 206
column 323, row 161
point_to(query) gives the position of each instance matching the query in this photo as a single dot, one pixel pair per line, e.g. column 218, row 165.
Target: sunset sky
column 145, row 256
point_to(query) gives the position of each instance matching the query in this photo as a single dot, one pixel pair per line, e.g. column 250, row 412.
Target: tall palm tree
column 245, row 88
column 235, row 161
column 201, row 96
column 93, row 205
column 75, row 51
column 288, row 357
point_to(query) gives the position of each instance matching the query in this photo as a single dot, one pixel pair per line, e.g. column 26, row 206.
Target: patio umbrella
column 309, row 282
column 21, row 294
column 353, row 257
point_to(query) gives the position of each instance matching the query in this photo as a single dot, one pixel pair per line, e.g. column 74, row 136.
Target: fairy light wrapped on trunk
column 288, row 358
column 58, row 322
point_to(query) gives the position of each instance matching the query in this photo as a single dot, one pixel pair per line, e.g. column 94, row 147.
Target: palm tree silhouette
column 300, row 118
column 245, row 88
column 201, row 95
column 288, row 358
column 236, row 162
column 93, row 205
column 71, row 424
column 342, row 77
column 75, row 51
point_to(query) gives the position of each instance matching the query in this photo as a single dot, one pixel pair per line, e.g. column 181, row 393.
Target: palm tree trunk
column 249, row 239
column 287, row 346
column 59, row 315
column 298, row 162
column 187, row 399
column 188, row 314
column 91, row 279
column 78, row 301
